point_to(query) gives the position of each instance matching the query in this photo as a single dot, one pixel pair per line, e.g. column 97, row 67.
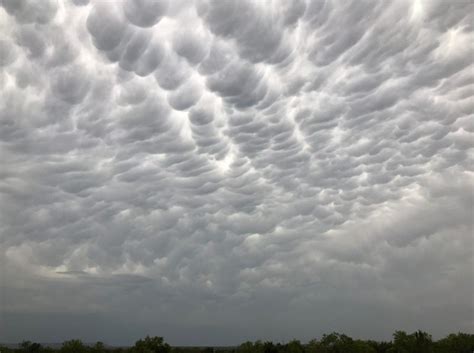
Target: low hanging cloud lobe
column 218, row 171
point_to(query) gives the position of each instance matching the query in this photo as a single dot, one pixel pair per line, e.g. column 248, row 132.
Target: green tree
column 359, row 346
column 246, row 347
column 417, row 342
column 30, row 347
column 98, row 347
column 380, row 347
column 336, row 343
column 313, row 346
column 456, row 343
column 151, row 345
column 73, row 346
column 339, row 343
column 269, row 347
column 294, row 346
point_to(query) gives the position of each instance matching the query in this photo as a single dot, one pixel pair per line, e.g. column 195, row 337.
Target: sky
column 217, row 171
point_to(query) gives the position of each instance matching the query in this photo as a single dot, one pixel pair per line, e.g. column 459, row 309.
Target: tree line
column 402, row 342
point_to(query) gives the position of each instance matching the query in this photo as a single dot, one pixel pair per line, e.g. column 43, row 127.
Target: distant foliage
column 402, row 342
column 74, row 346
column 151, row 345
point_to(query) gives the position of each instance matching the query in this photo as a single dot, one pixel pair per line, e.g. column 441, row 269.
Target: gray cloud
column 26, row 11
column 145, row 13
column 218, row 171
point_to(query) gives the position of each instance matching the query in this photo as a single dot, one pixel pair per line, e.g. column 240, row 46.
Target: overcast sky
column 221, row 171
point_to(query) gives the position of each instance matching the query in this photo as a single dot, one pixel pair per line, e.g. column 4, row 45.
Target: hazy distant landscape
column 417, row 342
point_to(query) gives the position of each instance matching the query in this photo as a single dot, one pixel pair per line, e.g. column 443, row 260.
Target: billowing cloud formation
column 227, row 170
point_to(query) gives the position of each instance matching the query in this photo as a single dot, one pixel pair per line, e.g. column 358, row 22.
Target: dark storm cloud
column 189, row 166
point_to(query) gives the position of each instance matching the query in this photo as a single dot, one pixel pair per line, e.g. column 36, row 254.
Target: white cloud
column 179, row 165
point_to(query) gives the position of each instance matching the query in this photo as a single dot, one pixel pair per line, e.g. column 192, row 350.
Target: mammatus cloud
column 217, row 171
